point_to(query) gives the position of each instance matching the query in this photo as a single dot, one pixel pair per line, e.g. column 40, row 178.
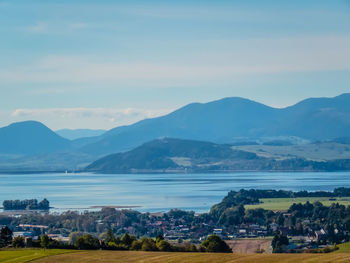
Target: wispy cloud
column 46, row 27
column 105, row 118
column 253, row 56
column 40, row 27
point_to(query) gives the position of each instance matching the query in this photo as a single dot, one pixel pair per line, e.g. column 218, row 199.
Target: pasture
column 282, row 204
column 26, row 255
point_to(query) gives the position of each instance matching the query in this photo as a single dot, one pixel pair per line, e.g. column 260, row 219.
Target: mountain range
column 235, row 119
column 226, row 121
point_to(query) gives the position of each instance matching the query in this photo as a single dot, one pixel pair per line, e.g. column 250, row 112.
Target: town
column 307, row 227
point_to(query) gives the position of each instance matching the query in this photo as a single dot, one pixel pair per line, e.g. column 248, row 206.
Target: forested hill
column 175, row 155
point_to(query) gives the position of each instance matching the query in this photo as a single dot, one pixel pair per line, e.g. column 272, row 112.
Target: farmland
column 282, row 204
column 166, row 257
column 25, row 255
column 344, row 248
column 324, row 151
column 57, row 255
column 249, row 245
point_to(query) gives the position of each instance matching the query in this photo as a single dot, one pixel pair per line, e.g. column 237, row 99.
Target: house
column 242, row 232
column 23, row 234
column 274, row 227
column 33, row 226
column 217, row 231
column 320, row 235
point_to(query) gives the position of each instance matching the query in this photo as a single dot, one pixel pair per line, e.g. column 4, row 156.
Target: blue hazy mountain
column 223, row 121
column 30, row 137
column 231, row 119
column 176, row 155
column 72, row 134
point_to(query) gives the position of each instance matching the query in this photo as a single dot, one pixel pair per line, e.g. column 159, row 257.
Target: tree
column 215, row 244
column 136, row 245
column 280, row 219
column 127, row 240
column 278, row 243
column 5, row 236
column 73, row 236
column 110, row 236
column 159, row 238
column 18, row 242
column 148, row 244
column 44, row 241
column 44, row 204
column 163, row 245
column 87, row 241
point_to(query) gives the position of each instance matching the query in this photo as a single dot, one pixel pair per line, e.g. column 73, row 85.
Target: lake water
column 155, row 192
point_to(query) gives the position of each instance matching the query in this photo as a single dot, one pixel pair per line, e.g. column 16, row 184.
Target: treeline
column 128, row 242
column 232, row 205
column 111, row 242
column 337, row 192
column 252, row 196
column 28, row 204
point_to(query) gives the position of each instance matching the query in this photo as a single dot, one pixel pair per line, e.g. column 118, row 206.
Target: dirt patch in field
column 244, row 246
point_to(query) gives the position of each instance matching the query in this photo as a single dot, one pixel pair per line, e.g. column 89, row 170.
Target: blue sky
column 101, row 64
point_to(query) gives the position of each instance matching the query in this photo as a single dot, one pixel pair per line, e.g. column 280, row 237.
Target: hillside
column 30, row 137
column 167, row 154
column 175, row 155
column 318, row 151
column 234, row 119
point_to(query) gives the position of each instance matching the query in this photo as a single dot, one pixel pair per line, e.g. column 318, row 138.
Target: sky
column 102, row 64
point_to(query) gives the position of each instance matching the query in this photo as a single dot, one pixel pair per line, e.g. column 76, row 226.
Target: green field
column 343, row 248
column 25, row 255
column 283, row 204
column 323, row 151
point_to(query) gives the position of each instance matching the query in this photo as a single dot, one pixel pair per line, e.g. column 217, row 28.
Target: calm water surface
column 155, row 192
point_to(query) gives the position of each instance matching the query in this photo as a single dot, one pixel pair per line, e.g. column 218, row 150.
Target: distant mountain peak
column 30, row 137
column 28, row 123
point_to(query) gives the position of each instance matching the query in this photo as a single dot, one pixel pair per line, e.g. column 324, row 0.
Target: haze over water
column 156, row 192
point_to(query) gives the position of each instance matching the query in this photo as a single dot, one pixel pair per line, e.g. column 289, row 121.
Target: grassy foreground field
column 343, row 248
column 163, row 257
column 283, row 204
column 25, row 255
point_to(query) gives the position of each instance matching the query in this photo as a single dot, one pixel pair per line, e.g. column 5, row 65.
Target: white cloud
column 236, row 58
column 94, row 118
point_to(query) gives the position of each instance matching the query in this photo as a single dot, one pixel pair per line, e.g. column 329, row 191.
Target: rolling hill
column 168, row 154
column 175, row 155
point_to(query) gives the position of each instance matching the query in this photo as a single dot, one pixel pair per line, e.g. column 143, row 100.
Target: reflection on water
column 155, row 192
